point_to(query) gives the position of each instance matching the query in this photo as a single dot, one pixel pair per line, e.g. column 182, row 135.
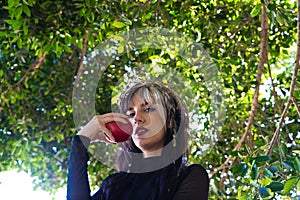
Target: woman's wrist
column 84, row 140
column 84, row 134
column 89, row 130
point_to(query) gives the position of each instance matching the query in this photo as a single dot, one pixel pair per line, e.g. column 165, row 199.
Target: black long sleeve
column 195, row 184
column 78, row 185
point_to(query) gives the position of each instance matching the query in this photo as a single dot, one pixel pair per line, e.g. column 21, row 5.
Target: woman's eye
column 149, row 109
column 130, row 115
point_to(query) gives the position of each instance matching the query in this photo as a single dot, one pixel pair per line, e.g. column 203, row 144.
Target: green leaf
column 36, row 20
column 19, row 12
column 15, row 39
column 263, row 192
column 272, row 6
column 29, row 2
column 268, row 173
column 16, row 24
column 288, row 186
column 272, row 17
column 91, row 38
column 254, row 172
column 59, row 136
column 20, row 43
column 79, row 44
column 11, row 21
column 287, row 165
column 256, row 10
column 13, row 100
column 120, row 49
column 48, row 47
column 234, row 153
column 259, row 143
column 280, row 18
column 118, row 24
column 12, row 3
column 273, row 169
column 275, row 186
column 2, row 33
column 25, row 29
column 26, row 10
column 297, row 164
column 240, row 169
column 67, row 49
column 262, row 158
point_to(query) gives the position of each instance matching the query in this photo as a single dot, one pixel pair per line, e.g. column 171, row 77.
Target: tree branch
column 35, row 65
column 29, row 73
column 262, row 59
column 83, row 50
column 292, row 86
column 296, row 105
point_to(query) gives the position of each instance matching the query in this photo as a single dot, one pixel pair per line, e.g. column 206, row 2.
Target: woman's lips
column 139, row 131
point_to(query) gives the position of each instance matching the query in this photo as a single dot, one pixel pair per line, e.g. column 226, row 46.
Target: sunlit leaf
column 26, row 10
column 118, row 24
column 297, row 164
column 256, row 10
column 289, row 184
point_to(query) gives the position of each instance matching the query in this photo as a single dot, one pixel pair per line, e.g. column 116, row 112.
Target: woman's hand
column 95, row 129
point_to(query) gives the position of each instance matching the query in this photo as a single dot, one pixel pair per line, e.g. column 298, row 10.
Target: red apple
column 121, row 131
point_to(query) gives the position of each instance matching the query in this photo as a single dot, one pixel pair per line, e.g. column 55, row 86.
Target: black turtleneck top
column 191, row 184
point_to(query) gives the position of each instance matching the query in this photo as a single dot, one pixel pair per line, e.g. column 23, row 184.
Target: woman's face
column 148, row 122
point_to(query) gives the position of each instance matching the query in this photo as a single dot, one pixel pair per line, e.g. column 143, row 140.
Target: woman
column 151, row 161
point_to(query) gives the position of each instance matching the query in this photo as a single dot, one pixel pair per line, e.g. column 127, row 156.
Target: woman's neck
column 148, row 154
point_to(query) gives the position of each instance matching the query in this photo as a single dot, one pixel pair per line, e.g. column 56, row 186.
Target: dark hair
column 176, row 130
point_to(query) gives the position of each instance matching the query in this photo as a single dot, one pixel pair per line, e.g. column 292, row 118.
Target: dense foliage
column 44, row 43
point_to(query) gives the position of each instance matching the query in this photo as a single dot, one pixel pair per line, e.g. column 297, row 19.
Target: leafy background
column 43, row 44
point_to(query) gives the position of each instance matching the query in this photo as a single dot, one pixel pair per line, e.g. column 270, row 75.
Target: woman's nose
column 138, row 119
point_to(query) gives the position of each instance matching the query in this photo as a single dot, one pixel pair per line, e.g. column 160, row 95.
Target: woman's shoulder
column 194, row 172
column 195, row 167
column 193, row 183
column 115, row 177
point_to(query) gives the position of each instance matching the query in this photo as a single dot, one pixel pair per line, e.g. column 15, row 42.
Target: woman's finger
column 108, row 134
column 113, row 117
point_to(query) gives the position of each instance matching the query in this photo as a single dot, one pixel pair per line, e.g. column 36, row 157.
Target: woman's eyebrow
column 142, row 105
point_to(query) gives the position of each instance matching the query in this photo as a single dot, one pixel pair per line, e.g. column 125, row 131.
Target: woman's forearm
column 78, row 185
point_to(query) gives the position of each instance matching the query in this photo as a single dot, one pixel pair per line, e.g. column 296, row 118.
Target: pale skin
column 148, row 123
column 95, row 128
column 148, row 119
